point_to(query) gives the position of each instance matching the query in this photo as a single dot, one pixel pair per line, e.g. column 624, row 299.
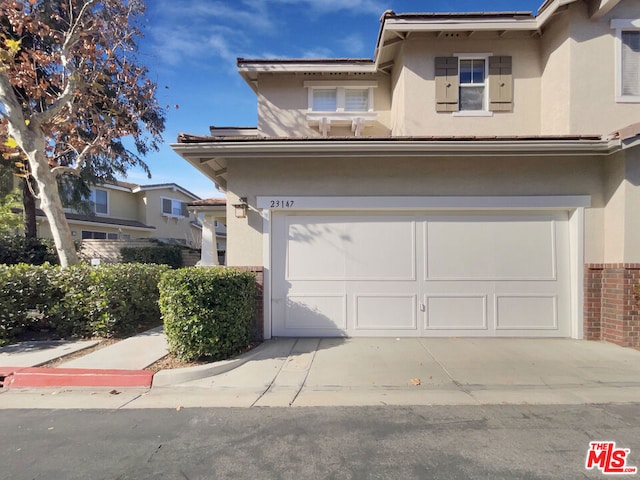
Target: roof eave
column 204, row 152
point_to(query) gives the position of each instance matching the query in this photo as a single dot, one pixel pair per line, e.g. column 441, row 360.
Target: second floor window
column 100, row 201
column 341, row 99
column 472, row 84
column 174, row 208
column 631, row 63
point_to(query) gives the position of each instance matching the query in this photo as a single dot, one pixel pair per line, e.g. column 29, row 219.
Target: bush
column 162, row 255
column 207, row 312
column 16, row 249
column 26, row 298
column 106, row 301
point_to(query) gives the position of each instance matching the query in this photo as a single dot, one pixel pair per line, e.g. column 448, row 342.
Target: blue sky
column 191, row 46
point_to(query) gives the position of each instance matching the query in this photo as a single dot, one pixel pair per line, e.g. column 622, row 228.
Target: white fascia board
column 109, row 225
column 340, row 148
column 110, row 186
column 306, row 68
column 439, row 25
column 171, row 186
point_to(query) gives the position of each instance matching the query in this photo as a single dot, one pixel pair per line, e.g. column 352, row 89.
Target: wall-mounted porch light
column 241, row 208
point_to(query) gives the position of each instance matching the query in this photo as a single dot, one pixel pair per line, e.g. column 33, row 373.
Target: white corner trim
column 266, row 272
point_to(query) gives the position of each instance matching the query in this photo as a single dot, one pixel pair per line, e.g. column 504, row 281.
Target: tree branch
column 71, row 38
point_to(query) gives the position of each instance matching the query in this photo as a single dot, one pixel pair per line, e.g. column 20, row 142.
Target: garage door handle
column 423, row 307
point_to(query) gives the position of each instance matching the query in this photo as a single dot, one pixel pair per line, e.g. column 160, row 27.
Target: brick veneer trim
column 611, row 311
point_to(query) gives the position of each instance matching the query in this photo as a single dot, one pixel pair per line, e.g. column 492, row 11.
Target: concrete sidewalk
column 119, row 365
column 380, row 371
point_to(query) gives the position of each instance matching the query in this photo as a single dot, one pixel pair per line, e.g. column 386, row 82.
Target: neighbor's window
column 473, row 82
column 89, row 235
column 100, row 201
column 630, row 63
column 174, row 207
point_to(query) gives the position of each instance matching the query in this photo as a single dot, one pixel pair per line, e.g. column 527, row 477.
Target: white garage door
column 378, row 274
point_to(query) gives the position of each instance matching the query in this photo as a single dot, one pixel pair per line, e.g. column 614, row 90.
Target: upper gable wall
column 414, row 86
column 593, row 71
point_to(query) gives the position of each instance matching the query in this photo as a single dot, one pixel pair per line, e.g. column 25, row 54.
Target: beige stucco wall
column 76, row 230
column 283, row 105
column 555, row 53
column 418, row 74
column 502, row 176
column 593, row 72
column 178, row 228
column 122, row 204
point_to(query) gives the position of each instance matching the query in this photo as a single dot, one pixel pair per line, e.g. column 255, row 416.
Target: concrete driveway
column 416, row 371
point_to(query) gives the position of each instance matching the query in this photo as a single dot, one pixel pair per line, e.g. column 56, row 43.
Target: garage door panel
column 350, row 248
column 314, row 249
column 380, row 249
column 435, row 274
column 490, row 249
column 451, row 312
column 315, row 312
column 385, row 312
column 526, row 312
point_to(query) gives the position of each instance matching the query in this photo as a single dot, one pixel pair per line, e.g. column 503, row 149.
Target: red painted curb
column 16, row 377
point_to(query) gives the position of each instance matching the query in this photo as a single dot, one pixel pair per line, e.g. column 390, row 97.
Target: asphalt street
column 446, row 442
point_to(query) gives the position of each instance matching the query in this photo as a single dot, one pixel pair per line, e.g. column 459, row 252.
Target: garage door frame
column 574, row 204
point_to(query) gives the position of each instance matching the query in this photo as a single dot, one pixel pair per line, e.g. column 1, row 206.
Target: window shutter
column 447, row 84
column 166, row 206
column 500, row 84
column 183, row 210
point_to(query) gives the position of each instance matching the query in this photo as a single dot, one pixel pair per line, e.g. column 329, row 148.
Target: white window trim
column 620, row 25
column 485, row 112
column 93, row 190
column 357, row 120
column 172, row 215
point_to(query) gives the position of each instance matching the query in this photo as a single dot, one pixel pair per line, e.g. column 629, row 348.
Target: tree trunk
column 50, row 202
column 29, row 207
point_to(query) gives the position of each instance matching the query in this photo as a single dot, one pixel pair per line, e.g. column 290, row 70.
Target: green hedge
column 110, row 300
column 27, row 294
column 16, row 249
column 207, row 312
column 106, row 301
column 162, row 255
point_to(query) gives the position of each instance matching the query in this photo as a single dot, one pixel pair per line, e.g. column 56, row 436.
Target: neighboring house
column 479, row 177
column 126, row 211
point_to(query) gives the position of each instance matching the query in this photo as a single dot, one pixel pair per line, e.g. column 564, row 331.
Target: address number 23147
column 281, row 203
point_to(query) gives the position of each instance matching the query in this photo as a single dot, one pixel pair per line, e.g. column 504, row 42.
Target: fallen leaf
column 51, row 428
column 415, row 381
column 178, row 408
column 115, row 392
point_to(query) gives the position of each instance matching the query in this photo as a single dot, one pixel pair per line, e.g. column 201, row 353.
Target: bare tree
column 71, row 91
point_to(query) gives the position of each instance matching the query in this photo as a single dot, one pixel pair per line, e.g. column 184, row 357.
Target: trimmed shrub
column 162, row 255
column 108, row 300
column 26, row 298
column 16, row 249
column 207, row 312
